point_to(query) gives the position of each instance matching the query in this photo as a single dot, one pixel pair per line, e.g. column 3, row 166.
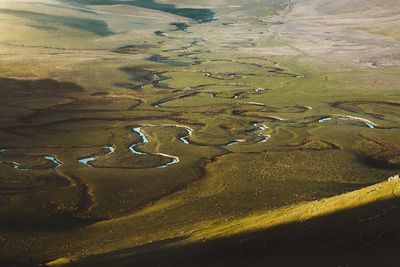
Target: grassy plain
column 127, row 128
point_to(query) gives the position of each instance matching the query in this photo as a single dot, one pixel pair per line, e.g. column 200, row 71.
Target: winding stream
column 17, row 166
column 54, row 160
column 260, row 129
column 145, row 140
column 185, row 139
column 132, row 148
column 89, row 159
column 366, row 122
column 235, row 142
column 174, row 160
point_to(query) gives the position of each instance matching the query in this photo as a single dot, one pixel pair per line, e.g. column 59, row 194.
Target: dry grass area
column 132, row 132
column 361, row 32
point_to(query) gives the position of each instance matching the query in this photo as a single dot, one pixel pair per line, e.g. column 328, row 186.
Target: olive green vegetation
column 264, row 142
column 357, row 228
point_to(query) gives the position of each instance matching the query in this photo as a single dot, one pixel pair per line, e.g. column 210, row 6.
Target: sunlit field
column 211, row 133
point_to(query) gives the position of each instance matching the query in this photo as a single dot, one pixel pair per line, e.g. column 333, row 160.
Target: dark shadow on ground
column 364, row 236
column 196, row 14
column 94, row 26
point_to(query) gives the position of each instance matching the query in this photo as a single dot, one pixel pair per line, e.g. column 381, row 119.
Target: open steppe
column 179, row 133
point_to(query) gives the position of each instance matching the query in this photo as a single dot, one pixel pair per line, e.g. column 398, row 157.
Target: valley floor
column 152, row 133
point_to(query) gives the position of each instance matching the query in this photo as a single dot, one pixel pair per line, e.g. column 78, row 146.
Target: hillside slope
column 357, row 228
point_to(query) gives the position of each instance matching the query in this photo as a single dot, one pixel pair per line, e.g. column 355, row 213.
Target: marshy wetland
column 174, row 133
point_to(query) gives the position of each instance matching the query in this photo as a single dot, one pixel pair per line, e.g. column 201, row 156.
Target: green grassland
column 195, row 138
